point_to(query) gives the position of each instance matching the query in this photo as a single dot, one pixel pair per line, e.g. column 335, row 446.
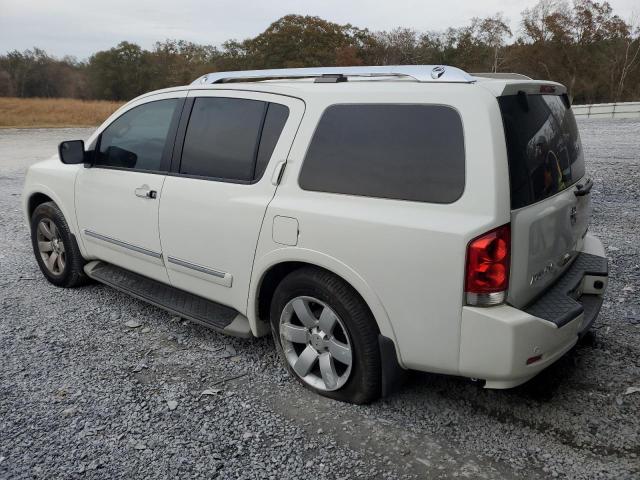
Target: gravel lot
column 83, row 395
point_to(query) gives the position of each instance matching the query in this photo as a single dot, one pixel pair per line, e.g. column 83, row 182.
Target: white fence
column 608, row 110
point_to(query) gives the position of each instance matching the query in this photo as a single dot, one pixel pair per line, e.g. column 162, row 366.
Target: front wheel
column 56, row 250
column 327, row 336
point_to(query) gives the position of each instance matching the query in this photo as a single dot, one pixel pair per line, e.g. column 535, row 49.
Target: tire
column 48, row 226
column 334, row 319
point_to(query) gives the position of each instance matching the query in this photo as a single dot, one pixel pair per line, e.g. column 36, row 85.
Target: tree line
column 583, row 45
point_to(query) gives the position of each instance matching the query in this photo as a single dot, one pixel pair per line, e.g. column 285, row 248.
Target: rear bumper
column 497, row 342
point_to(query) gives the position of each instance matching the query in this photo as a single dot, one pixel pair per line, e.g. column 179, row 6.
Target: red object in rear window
column 487, row 269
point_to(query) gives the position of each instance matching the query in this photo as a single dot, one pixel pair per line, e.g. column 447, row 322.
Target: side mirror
column 72, row 152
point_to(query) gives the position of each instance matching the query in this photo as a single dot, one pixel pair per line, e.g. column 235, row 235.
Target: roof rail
column 502, row 76
column 420, row 73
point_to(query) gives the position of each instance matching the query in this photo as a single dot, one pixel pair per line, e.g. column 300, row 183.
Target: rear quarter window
column 404, row 152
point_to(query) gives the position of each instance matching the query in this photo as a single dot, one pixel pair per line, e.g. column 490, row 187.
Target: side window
column 231, row 138
column 137, row 139
column 404, row 152
column 273, row 124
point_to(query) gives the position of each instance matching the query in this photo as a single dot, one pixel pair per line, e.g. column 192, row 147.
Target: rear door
column 550, row 203
column 229, row 150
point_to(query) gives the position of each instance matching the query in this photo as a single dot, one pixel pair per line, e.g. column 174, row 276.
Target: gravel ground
column 84, row 395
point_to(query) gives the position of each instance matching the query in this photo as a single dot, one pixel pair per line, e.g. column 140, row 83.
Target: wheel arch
column 270, row 269
column 38, row 193
column 36, row 199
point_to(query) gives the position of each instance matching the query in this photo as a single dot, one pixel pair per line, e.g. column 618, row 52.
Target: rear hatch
column 550, row 203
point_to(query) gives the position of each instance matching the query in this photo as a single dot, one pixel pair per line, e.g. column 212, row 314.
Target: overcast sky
column 82, row 27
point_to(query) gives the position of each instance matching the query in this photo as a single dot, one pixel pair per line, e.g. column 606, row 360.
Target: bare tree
column 493, row 32
column 631, row 57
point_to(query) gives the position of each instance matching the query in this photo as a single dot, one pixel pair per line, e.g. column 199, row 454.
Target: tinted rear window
column 231, row 138
column 405, row 152
column 273, row 124
column 543, row 146
column 222, row 138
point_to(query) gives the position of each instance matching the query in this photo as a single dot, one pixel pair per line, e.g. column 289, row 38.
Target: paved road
column 82, row 395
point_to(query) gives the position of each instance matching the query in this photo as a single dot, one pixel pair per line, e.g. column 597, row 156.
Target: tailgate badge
column 536, row 277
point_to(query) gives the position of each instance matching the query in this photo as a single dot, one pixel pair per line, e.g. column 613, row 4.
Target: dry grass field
column 53, row 112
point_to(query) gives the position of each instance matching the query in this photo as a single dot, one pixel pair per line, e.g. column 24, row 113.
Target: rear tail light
column 487, row 267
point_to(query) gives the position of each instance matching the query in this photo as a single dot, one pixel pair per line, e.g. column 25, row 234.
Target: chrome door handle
column 145, row 192
column 277, row 173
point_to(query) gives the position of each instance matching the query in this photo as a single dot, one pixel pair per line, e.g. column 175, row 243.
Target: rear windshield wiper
column 523, row 100
column 582, row 190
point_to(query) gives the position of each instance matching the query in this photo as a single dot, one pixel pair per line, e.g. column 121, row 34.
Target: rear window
column 405, row 152
column 543, row 146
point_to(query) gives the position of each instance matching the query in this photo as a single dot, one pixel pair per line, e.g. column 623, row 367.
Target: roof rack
column 502, row 76
column 420, row 73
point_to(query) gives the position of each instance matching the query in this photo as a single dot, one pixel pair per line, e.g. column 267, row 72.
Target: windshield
column 543, row 146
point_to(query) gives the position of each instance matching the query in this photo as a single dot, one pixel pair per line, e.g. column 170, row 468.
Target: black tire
column 72, row 274
column 365, row 380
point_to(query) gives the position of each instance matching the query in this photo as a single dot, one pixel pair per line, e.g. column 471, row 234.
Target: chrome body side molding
column 199, row 268
column 120, row 243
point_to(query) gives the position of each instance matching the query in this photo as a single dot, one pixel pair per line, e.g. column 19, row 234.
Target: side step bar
column 187, row 305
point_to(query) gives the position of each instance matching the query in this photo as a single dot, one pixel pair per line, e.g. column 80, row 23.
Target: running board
column 187, row 305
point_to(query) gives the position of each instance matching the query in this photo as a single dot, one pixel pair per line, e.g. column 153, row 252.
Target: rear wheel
column 327, row 336
column 55, row 249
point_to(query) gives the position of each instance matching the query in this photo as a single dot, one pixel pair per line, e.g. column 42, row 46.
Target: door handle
column 145, row 192
column 277, row 173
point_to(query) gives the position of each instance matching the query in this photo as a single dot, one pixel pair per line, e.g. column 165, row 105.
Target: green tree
column 178, row 62
column 583, row 45
column 120, row 73
column 300, row 41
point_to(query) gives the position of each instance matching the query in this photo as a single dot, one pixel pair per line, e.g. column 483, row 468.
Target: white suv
column 374, row 219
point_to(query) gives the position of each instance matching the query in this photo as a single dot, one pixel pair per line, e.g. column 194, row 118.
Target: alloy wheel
column 51, row 246
column 316, row 343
